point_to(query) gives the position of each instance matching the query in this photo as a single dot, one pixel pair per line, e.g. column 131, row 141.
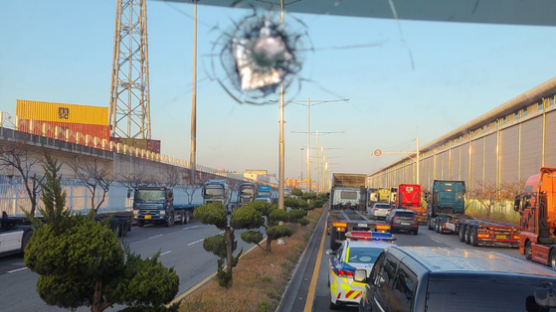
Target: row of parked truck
column 147, row 205
column 445, row 212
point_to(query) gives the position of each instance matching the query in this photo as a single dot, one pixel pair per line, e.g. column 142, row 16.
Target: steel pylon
column 129, row 95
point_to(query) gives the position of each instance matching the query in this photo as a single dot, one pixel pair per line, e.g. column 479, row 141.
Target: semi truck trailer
column 446, row 214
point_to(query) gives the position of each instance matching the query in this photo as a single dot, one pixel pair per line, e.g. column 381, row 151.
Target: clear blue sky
column 61, row 51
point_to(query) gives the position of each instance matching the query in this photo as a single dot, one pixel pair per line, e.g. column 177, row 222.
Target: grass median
column 260, row 277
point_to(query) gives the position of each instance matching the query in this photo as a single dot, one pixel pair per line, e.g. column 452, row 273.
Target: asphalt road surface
column 181, row 247
column 424, row 238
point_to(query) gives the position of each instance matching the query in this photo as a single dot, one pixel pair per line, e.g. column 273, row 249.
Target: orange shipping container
column 65, row 113
column 99, row 131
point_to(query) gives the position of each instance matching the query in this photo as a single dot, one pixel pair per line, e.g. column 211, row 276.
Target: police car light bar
column 375, row 236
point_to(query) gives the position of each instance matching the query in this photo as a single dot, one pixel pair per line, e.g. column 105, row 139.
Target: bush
column 263, row 306
column 213, row 213
column 278, row 231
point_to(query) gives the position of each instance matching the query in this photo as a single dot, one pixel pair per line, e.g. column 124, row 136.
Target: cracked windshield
column 277, row 155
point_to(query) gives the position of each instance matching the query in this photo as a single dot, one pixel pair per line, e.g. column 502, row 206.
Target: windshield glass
column 483, row 293
column 247, row 191
column 214, row 191
column 150, row 196
column 363, row 254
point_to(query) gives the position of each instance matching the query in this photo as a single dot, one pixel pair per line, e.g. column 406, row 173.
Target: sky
column 61, row 51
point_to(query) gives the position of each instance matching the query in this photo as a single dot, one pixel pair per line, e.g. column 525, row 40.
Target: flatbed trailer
column 342, row 221
column 478, row 232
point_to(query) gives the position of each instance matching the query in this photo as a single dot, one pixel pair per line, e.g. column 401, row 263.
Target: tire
column 552, row 259
column 429, row 224
column 170, row 220
column 473, row 239
column 182, row 217
column 528, row 250
column 466, row 235
column 187, row 217
column 25, row 240
column 461, row 233
column 438, row 227
column 415, row 232
column 141, row 223
column 120, row 230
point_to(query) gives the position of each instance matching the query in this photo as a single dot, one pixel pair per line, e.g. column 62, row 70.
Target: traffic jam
column 367, row 270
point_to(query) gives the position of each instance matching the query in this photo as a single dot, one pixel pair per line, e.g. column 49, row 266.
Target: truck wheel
column 552, row 261
column 438, row 227
column 429, row 224
column 170, row 220
column 120, row 230
column 467, row 234
column 182, row 217
column 187, row 217
column 26, row 237
column 473, row 240
column 461, row 233
column 528, row 250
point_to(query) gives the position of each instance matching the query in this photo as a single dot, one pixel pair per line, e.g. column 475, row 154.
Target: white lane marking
column 155, row 236
column 195, row 242
column 17, row 270
column 165, row 253
column 191, row 228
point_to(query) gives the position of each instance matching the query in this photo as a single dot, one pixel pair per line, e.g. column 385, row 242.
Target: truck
column 347, row 206
column 215, row 191
column 446, row 214
column 264, row 193
column 247, row 193
column 15, row 233
column 409, row 197
column 156, row 205
column 537, row 206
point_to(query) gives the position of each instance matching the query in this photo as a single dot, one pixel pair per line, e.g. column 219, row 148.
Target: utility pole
column 282, row 146
column 193, row 142
column 308, row 104
column 417, row 158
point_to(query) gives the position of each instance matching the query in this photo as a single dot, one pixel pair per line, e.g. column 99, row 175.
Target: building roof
column 440, row 260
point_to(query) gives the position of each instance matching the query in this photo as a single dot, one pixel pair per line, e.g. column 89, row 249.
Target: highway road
column 181, row 247
column 424, row 238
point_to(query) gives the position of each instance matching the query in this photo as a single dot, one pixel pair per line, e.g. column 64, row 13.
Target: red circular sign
column 378, row 152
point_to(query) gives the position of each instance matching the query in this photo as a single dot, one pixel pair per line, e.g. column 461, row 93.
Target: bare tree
column 171, row 177
column 134, row 180
column 95, row 176
column 191, row 189
column 17, row 157
column 486, row 196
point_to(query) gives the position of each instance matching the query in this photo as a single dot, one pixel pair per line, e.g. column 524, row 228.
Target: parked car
column 379, row 210
column 403, row 220
column 359, row 251
column 451, row 280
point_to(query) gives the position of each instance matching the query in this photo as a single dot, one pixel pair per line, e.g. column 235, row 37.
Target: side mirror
column 330, row 252
column 360, row 275
column 517, row 203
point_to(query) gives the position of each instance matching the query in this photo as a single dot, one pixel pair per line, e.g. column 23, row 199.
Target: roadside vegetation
column 80, row 261
column 260, row 277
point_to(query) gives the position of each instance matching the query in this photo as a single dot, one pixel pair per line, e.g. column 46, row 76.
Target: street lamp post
column 417, row 158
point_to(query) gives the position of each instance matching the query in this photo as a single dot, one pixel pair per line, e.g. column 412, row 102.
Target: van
column 406, row 279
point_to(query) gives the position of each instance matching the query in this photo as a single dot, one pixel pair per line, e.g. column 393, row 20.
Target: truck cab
column 537, row 239
column 153, row 205
column 215, row 191
column 247, row 193
column 264, row 193
column 446, row 204
column 409, row 197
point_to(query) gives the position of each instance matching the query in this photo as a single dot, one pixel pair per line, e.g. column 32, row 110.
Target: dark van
column 407, row 279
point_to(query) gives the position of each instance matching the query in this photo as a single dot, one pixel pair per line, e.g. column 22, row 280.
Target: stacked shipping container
column 86, row 120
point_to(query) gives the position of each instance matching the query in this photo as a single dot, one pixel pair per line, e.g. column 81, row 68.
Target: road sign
column 378, row 152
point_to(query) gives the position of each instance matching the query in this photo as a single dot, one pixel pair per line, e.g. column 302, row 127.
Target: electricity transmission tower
column 129, row 95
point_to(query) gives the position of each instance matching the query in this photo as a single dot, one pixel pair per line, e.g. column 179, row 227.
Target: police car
column 359, row 251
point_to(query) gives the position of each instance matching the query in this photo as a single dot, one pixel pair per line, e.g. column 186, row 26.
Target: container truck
column 446, row 214
column 247, row 193
column 157, row 205
column 537, row 206
column 409, row 197
column 347, row 205
column 215, row 191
